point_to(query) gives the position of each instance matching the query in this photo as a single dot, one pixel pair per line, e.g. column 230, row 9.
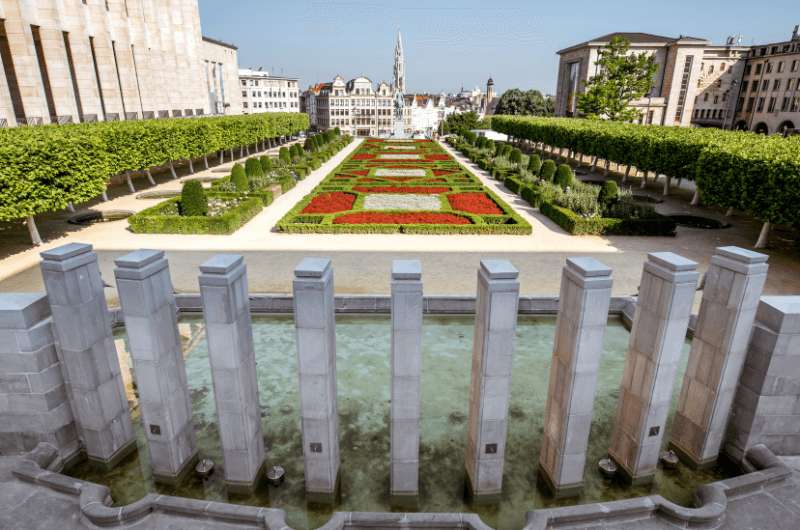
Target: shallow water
column 363, row 393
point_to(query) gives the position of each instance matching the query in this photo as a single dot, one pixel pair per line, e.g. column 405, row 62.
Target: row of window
column 361, row 102
column 714, row 114
column 748, row 69
column 270, row 94
column 270, row 104
column 778, row 48
column 788, row 104
column 257, row 82
column 791, row 84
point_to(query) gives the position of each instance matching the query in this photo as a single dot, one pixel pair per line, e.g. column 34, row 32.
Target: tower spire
column 399, row 65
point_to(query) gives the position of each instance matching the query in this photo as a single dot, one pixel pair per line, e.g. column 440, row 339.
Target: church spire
column 399, row 65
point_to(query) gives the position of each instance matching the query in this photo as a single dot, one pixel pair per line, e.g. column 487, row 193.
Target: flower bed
column 227, row 212
column 432, row 194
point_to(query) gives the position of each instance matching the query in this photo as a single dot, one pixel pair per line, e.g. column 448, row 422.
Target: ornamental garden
column 402, row 186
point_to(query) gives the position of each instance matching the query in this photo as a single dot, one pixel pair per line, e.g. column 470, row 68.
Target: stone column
column 492, row 351
column 32, row 390
column 226, row 309
column 580, row 326
column 89, row 358
column 406, row 371
column 734, row 282
column 665, row 301
column 148, row 306
column 316, row 363
column 766, row 409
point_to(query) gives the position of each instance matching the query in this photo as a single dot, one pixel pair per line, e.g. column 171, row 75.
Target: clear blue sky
column 450, row 43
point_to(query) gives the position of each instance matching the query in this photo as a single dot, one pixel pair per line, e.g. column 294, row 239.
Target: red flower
column 400, row 189
column 409, row 218
column 437, row 157
column 335, row 201
column 473, row 202
column 440, row 172
column 361, row 172
column 363, row 156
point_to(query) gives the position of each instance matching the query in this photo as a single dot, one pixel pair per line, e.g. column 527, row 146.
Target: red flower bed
column 363, row 156
column 335, row 201
column 410, row 218
column 393, row 179
column 400, row 189
column 473, row 202
column 437, row 157
column 345, row 177
column 440, row 172
column 361, row 172
column 398, row 152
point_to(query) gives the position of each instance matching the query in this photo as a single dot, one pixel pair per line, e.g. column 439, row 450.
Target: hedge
column 156, row 220
column 658, row 225
column 45, row 168
column 756, row 174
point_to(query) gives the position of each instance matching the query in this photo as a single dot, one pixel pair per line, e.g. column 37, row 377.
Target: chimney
column 796, row 33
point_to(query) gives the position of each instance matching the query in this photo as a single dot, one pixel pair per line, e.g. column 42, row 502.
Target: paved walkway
column 362, row 261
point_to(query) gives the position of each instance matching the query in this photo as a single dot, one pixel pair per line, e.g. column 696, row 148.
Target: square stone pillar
column 734, row 282
column 89, row 359
column 406, row 370
column 32, row 390
column 315, row 328
column 148, row 306
column 584, row 299
column 226, row 309
column 492, row 352
column 662, row 314
column 767, row 404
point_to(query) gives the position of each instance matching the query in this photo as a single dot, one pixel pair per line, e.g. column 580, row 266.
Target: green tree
column 252, row 167
column 548, row 170
column 527, row 103
column 239, row 179
column 564, row 176
column 534, row 164
column 463, row 121
column 623, row 77
column 193, row 199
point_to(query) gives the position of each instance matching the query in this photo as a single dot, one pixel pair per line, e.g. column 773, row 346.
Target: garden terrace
column 409, row 187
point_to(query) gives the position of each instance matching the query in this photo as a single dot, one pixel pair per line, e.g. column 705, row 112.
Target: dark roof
column 632, row 37
column 220, row 43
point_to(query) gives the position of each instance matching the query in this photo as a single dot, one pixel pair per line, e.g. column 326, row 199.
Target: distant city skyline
column 449, row 45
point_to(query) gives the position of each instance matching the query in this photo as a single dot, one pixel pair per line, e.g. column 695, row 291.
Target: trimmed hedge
column 159, row 219
column 658, row 225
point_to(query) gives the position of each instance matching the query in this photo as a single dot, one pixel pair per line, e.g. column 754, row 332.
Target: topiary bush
column 252, row 168
column 193, row 201
column 534, row 164
column 564, row 176
column 284, row 156
column 239, row 179
column 609, row 194
column 266, row 164
column 548, row 170
column 515, row 156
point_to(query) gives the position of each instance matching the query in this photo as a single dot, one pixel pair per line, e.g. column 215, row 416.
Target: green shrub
column 252, row 168
column 239, row 179
column 657, row 225
column 266, row 164
column 534, row 164
column 564, row 176
column 548, row 170
column 162, row 218
column 609, row 193
column 513, row 184
column 193, row 199
column 284, row 156
column 515, row 156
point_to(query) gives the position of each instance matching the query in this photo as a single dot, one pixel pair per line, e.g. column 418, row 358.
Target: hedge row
column 160, row 218
column 752, row 173
column 45, row 168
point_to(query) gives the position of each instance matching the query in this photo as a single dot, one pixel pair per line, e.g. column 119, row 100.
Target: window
column 705, row 96
column 747, row 69
column 794, row 66
column 780, row 67
column 776, row 85
column 759, row 67
column 760, row 106
column 785, row 104
column 769, row 68
column 740, row 104
column 744, row 86
column 244, row 93
column 244, row 104
column 716, row 100
column 772, row 102
column 765, row 85
column 722, row 67
column 750, row 103
column 711, row 69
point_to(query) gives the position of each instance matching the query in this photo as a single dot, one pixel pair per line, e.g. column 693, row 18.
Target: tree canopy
column 464, row 121
column 527, row 103
column 623, row 77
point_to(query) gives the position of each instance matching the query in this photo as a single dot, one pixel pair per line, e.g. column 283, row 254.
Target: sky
column 450, row 44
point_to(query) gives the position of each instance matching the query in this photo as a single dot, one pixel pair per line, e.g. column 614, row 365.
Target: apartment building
column 262, row 92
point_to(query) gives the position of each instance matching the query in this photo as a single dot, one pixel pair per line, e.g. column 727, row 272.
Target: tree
column 623, row 78
column 193, row 199
column 528, row 103
column 463, row 121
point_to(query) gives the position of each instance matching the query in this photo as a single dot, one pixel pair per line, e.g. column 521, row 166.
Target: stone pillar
column 148, row 306
column 766, row 409
column 662, row 314
column 32, row 390
column 226, row 309
column 89, row 358
column 406, row 371
column 580, row 326
column 316, row 363
column 492, row 352
column 734, row 282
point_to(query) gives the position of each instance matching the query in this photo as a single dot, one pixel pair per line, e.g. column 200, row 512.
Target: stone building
column 263, row 92
column 89, row 60
column 754, row 88
column 221, row 64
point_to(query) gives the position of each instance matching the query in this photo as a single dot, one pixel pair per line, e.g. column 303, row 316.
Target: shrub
column 193, row 199
column 515, row 156
column 239, row 179
column 252, row 168
column 161, row 218
column 609, row 194
column 266, row 164
column 284, row 156
column 548, row 170
column 534, row 164
column 564, row 176
column 513, row 184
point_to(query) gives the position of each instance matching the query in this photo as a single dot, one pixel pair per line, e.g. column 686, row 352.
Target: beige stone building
column 264, row 92
column 88, row 60
column 356, row 107
column 754, row 88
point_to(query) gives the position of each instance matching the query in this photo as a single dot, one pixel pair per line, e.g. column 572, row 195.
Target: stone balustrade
column 60, row 380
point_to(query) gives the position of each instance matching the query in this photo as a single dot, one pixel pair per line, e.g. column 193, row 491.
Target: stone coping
column 40, row 467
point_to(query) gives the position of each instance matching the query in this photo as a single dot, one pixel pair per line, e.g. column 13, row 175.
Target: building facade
column 356, row 107
column 754, row 88
column 262, row 92
column 88, row 60
column 221, row 67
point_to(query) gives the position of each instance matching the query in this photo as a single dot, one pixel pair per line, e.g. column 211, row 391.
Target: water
column 363, row 388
